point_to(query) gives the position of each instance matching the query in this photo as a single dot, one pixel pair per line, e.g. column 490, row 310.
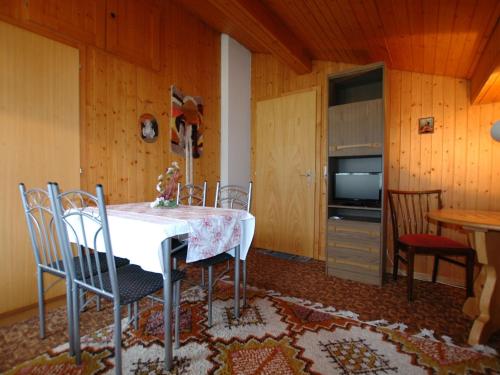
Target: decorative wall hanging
column 148, row 128
column 186, row 123
column 426, row 125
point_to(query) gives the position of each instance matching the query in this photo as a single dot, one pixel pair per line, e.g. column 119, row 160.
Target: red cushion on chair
column 430, row 240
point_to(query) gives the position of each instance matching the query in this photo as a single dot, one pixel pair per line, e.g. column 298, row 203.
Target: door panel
column 39, row 142
column 285, row 165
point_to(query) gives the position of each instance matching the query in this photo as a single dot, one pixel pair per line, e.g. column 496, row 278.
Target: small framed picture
column 426, row 125
column 148, row 128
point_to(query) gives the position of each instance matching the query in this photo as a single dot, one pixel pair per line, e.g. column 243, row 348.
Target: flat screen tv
column 358, row 189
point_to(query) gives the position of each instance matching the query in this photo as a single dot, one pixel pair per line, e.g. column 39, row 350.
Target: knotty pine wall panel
column 459, row 157
column 117, row 92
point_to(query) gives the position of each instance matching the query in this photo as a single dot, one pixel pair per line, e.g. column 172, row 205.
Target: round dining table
column 483, row 229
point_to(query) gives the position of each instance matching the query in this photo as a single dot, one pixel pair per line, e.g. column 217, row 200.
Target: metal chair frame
column 409, row 216
column 66, row 213
column 229, row 196
column 41, row 229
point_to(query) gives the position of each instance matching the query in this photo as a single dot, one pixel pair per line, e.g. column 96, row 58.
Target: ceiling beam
column 258, row 22
column 485, row 81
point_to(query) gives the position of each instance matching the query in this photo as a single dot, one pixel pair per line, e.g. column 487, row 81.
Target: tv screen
column 357, row 186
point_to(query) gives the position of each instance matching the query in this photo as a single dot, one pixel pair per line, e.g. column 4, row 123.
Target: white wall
column 235, row 112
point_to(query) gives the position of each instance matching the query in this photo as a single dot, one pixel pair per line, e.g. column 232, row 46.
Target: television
column 358, row 189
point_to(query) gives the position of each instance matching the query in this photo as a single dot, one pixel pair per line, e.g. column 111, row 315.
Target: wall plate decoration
column 148, row 128
column 426, row 125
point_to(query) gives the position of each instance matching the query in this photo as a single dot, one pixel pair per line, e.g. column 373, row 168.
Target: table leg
column 237, row 282
column 167, row 301
column 487, row 302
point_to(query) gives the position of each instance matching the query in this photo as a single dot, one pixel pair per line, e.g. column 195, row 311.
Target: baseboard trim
column 34, row 306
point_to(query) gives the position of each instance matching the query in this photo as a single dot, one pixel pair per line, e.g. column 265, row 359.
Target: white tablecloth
column 137, row 231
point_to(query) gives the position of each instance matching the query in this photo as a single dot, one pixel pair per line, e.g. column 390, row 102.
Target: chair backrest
column 81, row 222
column 42, row 230
column 233, row 196
column 192, row 195
column 409, row 211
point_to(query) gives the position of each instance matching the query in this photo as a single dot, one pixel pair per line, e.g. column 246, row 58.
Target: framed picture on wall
column 426, row 125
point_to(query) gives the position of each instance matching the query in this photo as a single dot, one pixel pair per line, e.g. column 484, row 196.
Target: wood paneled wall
column 113, row 94
column 118, row 92
column 460, row 157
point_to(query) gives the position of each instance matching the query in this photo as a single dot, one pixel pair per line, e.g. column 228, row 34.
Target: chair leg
column 469, row 274
column 76, row 323
column 41, row 303
column 118, row 339
column 435, row 268
column 210, row 276
column 70, row 317
column 395, row 263
column 202, row 277
column 136, row 315
column 98, row 303
column 244, row 283
column 177, row 303
column 411, row 263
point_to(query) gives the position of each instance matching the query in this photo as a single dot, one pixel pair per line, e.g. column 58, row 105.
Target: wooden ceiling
column 444, row 37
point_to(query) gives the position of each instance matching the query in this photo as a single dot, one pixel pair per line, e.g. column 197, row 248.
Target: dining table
column 483, row 228
column 143, row 235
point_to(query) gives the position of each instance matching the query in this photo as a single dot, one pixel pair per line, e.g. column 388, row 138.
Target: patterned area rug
column 275, row 335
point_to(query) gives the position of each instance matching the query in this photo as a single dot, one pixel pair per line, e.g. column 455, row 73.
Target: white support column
column 235, row 112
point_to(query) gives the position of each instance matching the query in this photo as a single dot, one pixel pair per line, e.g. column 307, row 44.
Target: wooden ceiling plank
column 334, row 45
column 447, row 12
column 376, row 30
column 402, row 23
column 254, row 18
column 461, row 26
column 484, row 35
column 357, row 39
column 363, row 24
column 484, row 83
column 341, row 37
column 415, row 11
column 393, row 40
column 431, row 19
column 290, row 13
column 304, row 18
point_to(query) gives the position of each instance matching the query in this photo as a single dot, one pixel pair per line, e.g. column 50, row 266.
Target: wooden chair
column 414, row 235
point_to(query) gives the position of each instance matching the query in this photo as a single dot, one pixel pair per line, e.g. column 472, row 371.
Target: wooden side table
column 484, row 227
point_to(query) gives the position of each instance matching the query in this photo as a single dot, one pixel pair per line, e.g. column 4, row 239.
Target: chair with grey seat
column 47, row 253
column 187, row 195
column 87, row 227
column 234, row 197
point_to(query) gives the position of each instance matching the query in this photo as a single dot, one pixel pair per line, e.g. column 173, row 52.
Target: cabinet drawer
column 370, row 245
column 356, row 275
column 354, row 227
column 353, row 256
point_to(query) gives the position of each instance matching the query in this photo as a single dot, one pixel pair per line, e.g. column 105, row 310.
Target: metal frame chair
column 86, row 227
column 48, row 256
column 412, row 234
column 227, row 196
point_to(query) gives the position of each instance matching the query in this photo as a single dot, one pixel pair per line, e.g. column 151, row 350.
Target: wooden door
column 39, row 142
column 82, row 20
column 285, row 143
column 133, row 30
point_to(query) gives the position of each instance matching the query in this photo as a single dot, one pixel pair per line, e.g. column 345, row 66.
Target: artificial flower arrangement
column 167, row 187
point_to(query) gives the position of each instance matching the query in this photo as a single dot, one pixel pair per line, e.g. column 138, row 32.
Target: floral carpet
column 276, row 334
